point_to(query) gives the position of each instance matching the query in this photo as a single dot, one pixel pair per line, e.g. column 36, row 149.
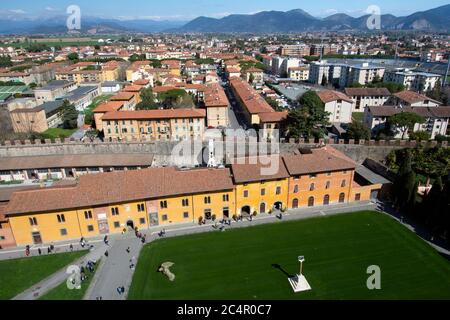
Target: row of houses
column 108, row 203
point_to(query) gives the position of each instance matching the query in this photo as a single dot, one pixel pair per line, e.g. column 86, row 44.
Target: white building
column 300, row 73
column 320, row 70
column 338, row 105
column 412, row 80
column 363, row 97
column 436, row 119
column 362, row 73
column 413, row 99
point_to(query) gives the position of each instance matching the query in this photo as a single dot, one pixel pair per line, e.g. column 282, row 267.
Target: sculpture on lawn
column 165, row 269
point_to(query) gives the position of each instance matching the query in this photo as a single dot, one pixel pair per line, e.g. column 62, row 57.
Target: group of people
column 90, row 266
column 162, row 233
column 140, row 235
column 50, row 249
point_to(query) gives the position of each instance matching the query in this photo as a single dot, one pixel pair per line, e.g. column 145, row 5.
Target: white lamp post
column 301, row 259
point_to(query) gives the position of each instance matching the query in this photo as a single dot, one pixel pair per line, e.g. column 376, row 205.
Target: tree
column 405, row 183
column 358, row 131
column 91, row 134
column 69, row 115
column 147, row 100
column 73, row 56
column 419, row 136
column 251, row 78
column 405, row 121
column 309, row 120
column 5, row 62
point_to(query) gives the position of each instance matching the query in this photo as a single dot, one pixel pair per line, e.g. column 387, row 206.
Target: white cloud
column 331, row 11
column 51, row 9
column 17, row 11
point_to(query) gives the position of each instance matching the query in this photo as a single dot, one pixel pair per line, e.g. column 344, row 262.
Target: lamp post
column 301, row 259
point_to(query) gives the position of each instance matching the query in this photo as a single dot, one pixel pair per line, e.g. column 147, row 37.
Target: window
column 142, row 220
column 312, row 187
column 33, row 221
column 116, row 224
column 245, row 193
column 328, row 185
column 185, row 202
column 295, row 204
column 311, row 202
column 263, row 192
column 342, row 198
column 185, row 215
column 163, row 204
column 63, row 232
column 295, row 189
column 140, row 207
column 358, row 197
column 90, row 228
column 207, row 200
column 115, row 211
column 164, row 217
column 278, row 190
column 312, row 176
column 343, row 183
column 226, row 198
column 61, row 218
column 326, row 200
column 88, row 215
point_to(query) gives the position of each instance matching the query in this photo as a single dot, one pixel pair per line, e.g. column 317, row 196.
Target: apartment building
column 37, row 119
column 363, row 74
column 300, row 73
column 413, row 80
column 363, row 97
column 338, row 105
column 413, row 99
column 296, row 50
column 256, row 74
column 173, row 124
column 324, row 72
column 217, row 106
column 164, row 196
column 436, row 119
column 83, row 72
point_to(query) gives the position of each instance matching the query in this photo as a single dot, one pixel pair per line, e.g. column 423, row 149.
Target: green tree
column 419, row 136
column 5, row 62
column 69, row 115
column 405, row 183
column 358, row 131
column 73, row 56
column 147, row 100
column 405, row 121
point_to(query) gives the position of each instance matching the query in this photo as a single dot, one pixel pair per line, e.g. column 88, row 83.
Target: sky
column 189, row 9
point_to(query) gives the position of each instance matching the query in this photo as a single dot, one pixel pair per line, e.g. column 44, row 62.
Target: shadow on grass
column 278, row 267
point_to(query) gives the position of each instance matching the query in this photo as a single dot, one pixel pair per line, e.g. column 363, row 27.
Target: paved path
column 115, row 270
column 59, row 277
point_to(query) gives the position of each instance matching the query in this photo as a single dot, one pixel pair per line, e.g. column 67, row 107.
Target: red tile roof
column 330, row 95
column 155, row 114
column 263, row 168
column 109, row 106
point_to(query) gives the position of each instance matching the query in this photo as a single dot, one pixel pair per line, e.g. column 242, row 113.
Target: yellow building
column 107, row 203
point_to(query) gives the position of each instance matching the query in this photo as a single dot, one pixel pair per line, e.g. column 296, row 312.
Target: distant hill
column 297, row 20
column 437, row 19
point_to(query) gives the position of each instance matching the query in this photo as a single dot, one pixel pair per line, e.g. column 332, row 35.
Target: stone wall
column 358, row 151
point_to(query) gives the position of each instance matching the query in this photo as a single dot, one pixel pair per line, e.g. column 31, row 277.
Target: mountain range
column 297, row 20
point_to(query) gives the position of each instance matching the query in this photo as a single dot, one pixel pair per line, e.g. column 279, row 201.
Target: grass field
column 20, row 274
column 58, row 133
column 61, row 292
column 254, row 263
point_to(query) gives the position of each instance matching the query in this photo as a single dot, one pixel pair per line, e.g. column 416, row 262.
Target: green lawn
column 20, row 274
column 58, row 133
column 61, row 292
column 241, row 264
column 98, row 100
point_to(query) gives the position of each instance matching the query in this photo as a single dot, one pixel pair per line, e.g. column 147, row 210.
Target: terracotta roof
column 163, row 89
column 155, row 114
column 376, row 92
column 413, row 97
column 132, row 88
column 121, row 186
column 254, row 169
column 254, row 103
column 215, row 96
column 109, row 106
column 141, row 82
column 325, row 159
column 330, row 95
column 2, row 213
column 427, row 112
column 123, row 96
column 268, row 117
column 76, row 160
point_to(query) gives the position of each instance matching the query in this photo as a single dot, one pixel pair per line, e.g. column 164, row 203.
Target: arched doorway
column 295, row 204
column 262, row 208
column 278, row 205
column 311, row 202
column 326, row 200
column 130, row 224
column 245, row 210
column 342, row 198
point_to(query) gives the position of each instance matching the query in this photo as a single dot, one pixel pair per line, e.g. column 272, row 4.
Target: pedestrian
column 82, row 242
column 27, row 251
column 105, row 240
column 122, row 289
column 71, row 247
column 128, row 250
column 52, row 247
column 119, row 290
column 39, row 251
column 106, row 253
column 49, row 250
column 143, row 239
